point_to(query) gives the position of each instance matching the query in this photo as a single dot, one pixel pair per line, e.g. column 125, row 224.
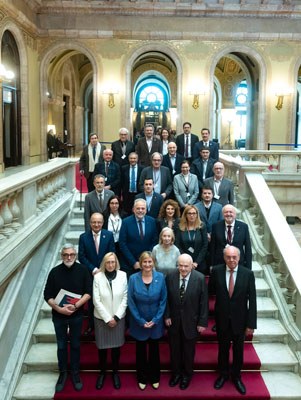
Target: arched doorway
column 11, row 111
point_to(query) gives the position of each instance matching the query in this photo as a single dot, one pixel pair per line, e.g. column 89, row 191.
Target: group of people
column 143, row 266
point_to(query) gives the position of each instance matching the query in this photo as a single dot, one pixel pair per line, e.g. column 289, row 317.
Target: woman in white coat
column 110, row 303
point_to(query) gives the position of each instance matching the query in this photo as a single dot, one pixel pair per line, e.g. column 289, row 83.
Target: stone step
column 262, row 288
column 73, row 237
column 78, row 213
column 266, row 308
column 77, row 224
column 257, row 269
column 276, row 357
column 283, row 385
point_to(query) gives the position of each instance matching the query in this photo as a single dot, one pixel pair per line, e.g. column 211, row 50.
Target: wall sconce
column 110, row 93
column 5, row 75
column 280, row 97
column 196, row 98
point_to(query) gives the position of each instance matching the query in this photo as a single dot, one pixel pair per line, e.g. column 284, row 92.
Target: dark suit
column 240, row 239
column 177, row 168
column 156, row 203
column 166, row 181
column 130, row 242
column 225, row 191
column 215, row 214
column 144, row 154
column 233, row 315
column 92, row 205
column 84, row 165
column 197, row 168
column 118, row 154
column 185, row 316
column 180, row 142
column 127, row 196
column 112, row 177
column 213, row 147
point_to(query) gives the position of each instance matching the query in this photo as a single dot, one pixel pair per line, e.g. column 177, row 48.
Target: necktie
column 231, row 284
column 133, row 180
column 140, row 229
column 101, row 202
column 96, row 242
column 229, row 234
column 94, row 152
column 106, row 168
column 186, row 146
column 182, row 290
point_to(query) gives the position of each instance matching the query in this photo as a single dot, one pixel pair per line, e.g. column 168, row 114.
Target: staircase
column 279, row 364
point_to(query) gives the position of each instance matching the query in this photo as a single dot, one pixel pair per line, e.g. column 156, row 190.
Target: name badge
column 123, row 156
column 106, row 179
column 188, row 194
column 173, row 171
column 191, row 249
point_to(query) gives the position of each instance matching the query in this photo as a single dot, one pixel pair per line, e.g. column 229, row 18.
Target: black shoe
column 213, row 328
column 239, row 386
column 88, row 332
column 77, row 383
column 219, row 383
column 100, row 381
column 184, row 383
column 116, row 381
column 174, row 380
column 60, row 384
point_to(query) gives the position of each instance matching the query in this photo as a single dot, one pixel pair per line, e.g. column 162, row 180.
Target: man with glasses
column 160, row 175
column 68, row 288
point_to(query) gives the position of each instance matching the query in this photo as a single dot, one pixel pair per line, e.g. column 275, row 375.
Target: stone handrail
column 31, row 202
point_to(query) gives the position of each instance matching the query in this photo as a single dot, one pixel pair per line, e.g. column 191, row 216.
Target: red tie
column 229, row 234
column 231, row 284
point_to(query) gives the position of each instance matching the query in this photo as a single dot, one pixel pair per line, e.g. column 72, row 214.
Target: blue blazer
column 130, row 242
column 213, row 147
column 147, row 304
column 157, row 201
column 87, row 252
column 215, row 214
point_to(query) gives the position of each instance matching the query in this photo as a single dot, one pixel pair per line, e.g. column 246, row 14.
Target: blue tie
column 133, row 183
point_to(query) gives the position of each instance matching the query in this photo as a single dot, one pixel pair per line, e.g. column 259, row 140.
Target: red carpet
column 80, row 180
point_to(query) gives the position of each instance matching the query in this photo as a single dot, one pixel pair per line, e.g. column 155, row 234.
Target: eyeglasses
column 191, row 213
column 66, row 255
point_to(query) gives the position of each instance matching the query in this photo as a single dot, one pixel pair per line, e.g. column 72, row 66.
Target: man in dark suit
column 91, row 155
column 186, row 317
column 110, row 170
column 92, row 247
column 186, row 141
column 173, row 160
column 130, row 176
column 154, row 200
column 202, row 166
column 230, row 232
column 97, row 200
column 122, row 148
column 138, row 233
column 223, row 188
column 235, row 314
column 208, row 144
column 148, row 145
column 160, row 175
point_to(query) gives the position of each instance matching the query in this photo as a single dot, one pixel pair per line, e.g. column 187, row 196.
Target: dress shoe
column 240, row 387
column 184, row 383
column 141, row 386
column 219, row 383
column 88, row 332
column 77, row 383
column 116, row 381
column 60, row 384
column 100, row 381
column 213, row 328
column 156, row 385
column 174, row 380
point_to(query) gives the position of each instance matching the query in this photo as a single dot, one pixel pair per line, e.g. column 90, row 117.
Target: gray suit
column 92, row 205
column 225, row 191
column 186, row 194
column 166, row 181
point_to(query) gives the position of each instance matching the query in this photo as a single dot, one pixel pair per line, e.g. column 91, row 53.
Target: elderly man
column 223, row 188
column 122, row 148
column 235, row 314
column 160, row 175
column 97, row 200
column 68, row 288
column 186, row 317
column 91, row 155
column 110, row 170
column 147, row 145
column 138, row 233
column 230, row 232
column 172, row 160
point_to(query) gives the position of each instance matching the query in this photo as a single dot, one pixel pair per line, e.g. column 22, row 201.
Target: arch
column 18, row 35
column 142, row 49
column 58, row 49
column 261, row 139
